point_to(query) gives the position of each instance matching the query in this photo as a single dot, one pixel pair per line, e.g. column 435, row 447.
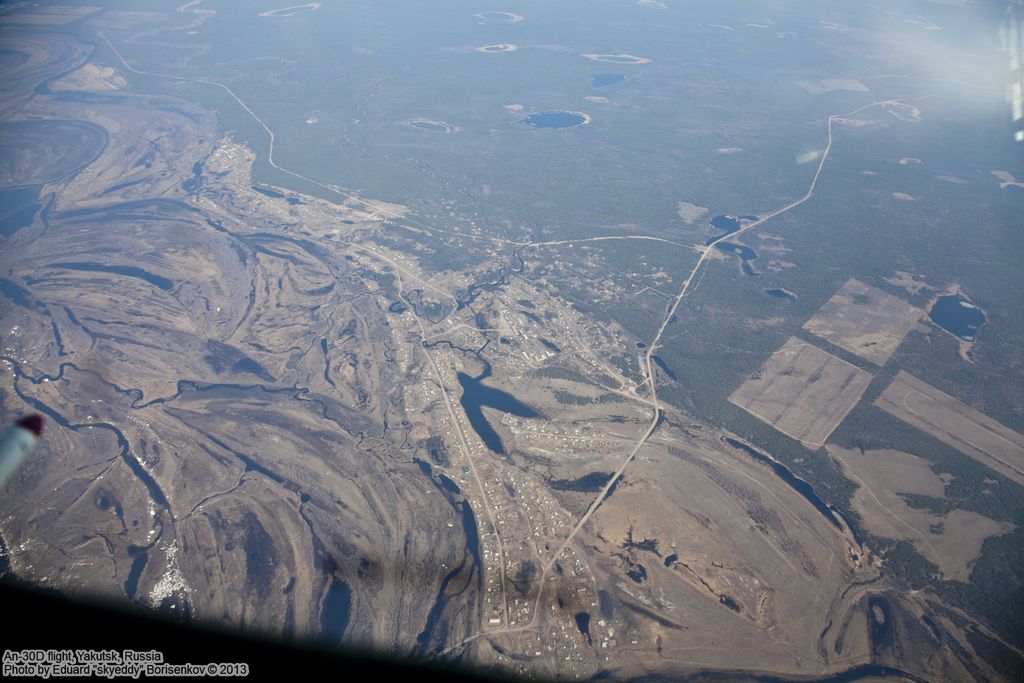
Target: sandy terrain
column 951, row 541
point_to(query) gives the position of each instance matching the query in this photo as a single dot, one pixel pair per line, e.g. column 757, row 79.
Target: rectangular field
column 864, row 320
column 802, row 391
column 962, row 427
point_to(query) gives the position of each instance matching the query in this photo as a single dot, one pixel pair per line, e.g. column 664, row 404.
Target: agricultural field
column 865, row 321
column 960, row 426
column 802, row 391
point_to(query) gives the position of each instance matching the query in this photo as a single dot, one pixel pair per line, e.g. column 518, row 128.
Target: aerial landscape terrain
column 610, row 340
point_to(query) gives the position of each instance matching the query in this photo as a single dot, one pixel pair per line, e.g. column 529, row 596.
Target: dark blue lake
column 798, row 484
column 16, row 293
column 956, row 314
column 128, row 271
column 268, row 192
column 583, row 624
column 664, row 368
column 588, row 483
column 781, row 294
column 448, row 484
column 131, row 584
column 550, row 345
column 556, row 119
column 604, row 80
column 335, row 613
column 741, row 250
column 18, row 209
column 475, row 395
column 728, row 225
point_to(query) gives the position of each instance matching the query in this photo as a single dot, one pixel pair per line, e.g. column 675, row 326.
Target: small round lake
column 557, row 119
column 957, row 315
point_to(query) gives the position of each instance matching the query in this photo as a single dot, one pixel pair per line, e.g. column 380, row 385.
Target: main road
column 687, row 287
